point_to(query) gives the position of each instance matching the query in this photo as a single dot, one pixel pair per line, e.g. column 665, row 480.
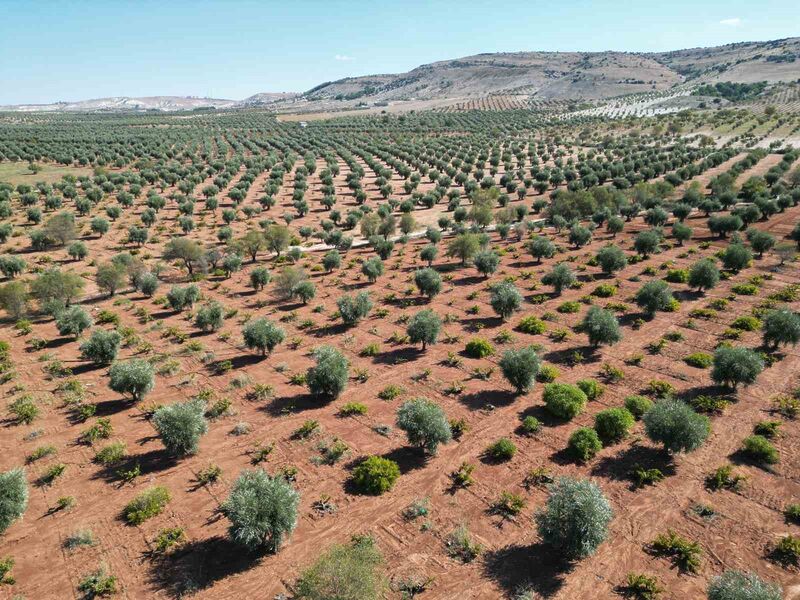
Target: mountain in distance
column 545, row 76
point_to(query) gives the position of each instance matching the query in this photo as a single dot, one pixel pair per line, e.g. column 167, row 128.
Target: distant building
column 303, row 124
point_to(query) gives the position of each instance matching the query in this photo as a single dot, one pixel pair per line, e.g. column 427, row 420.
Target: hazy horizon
column 232, row 51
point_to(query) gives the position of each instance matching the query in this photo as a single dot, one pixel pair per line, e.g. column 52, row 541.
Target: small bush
column 501, row 450
column 98, row 584
column 592, row 388
column 584, row 443
column 613, row 424
column 699, row 360
column 532, row 325
column 736, row 585
column 759, row 449
column 479, row 348
column 563, row 400
column 375, row 475
column 547, row 374
column 642, row 587
column 685, row 554
column 638, row 405
column 146, row 505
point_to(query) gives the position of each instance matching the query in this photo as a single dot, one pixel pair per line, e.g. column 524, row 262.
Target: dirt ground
column 741, row 533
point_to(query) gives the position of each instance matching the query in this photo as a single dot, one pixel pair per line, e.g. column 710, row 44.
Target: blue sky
column 71, row 50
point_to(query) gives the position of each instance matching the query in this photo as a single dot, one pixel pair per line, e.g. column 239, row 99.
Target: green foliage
column 638, row 405
column 428, row 282
column 262, row 510
column 425, row 424
column 613, row 424
column 584, row 443
column 575, row 518
column 676, row 426
column 424, row 328
column 98, row 584
column 478, row 348
column 13, row 497
column 501, row 450
column 181, row 425
column 563, row 400
column 532, row 325
column 601, row 326
column 699, row 360
column 375, row 475
column 102, row 346
column 759, row 449
column 146, row 505
column 559, row 278
column 263, row 335
column 781, row 327
column 654, row 296
column 685, row 554
column 347, row 571
column 328, row 377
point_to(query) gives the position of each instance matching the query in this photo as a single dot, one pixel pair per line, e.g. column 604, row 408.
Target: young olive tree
column 601, row 326
column 423, row 328
column 328, row 377
column 559, row 278
column 674, row 424
column 353, row 309
column 505, row 299
column 181, row 425
column 575, row 518
column 13, row 497
column 134, row 377
column 425, row 424
column 735, row 365
column 262, row 335
column 262, row 510
column 102, row 346
column 520, row 368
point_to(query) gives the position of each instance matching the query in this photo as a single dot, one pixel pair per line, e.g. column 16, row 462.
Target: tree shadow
column 147, row 463
column 398, row 355
column 469, row 280
column 407, row 458
column 198, row 565
column 510, row 568
column 58, row 342
column 112, row 407
column 544, row 416
column 687, row 295
column 566, row 356
column 487, row 399
column 282, row 405
column 87, row 367
column 482, row 323
column 620, row 466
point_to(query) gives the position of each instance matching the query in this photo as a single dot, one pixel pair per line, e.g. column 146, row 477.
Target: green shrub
column 613, row 424
column 347, row 571
column 563, row 400
column 685, row 554
column 759, row 449
column 98, row 584
column 375, row 475
column 146, row 505
column 601, row 326
column 501, row 450
column 547, row 374
column 642, row 587
column 530, row 425
column 479, row 348
column 700, row 360
column 736, row 365
column 532, row 325
column 746, row 323
column 584, row 443
column 592, row 388
column 134, row 377
column 638, row 405
column 328, row 377
column 569, row 307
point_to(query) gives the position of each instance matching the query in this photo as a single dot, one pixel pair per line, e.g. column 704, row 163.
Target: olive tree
column 262, row 510
column 486, row 262
column 654, row 296
column 424, row 328
column 134, row 377
column 505, row 299
column 781, row 326
column 737, row 585
column 541, row 247
column 428, row 282
column 674, row 424
column 520, row 367
column 611, row 259
column 102, row 346
column 13, row 497
column 372, row 268
column 328, row 377
column 348, row 571
column 181, row 425
column 425, row 424
column 185, row 250
column 735, row 365
column 601, row 326
column 262, row 335
column 73, row 321
column 575, row 519
column 703, row 274
column 210, row 317
column 559, row 278
column 736, row 257
column 353, row 309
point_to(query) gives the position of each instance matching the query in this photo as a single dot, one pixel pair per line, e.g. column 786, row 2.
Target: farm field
column 155, row 243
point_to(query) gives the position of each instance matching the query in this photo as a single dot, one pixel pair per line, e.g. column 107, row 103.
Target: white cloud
column 734, row 22
column 343, row 57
